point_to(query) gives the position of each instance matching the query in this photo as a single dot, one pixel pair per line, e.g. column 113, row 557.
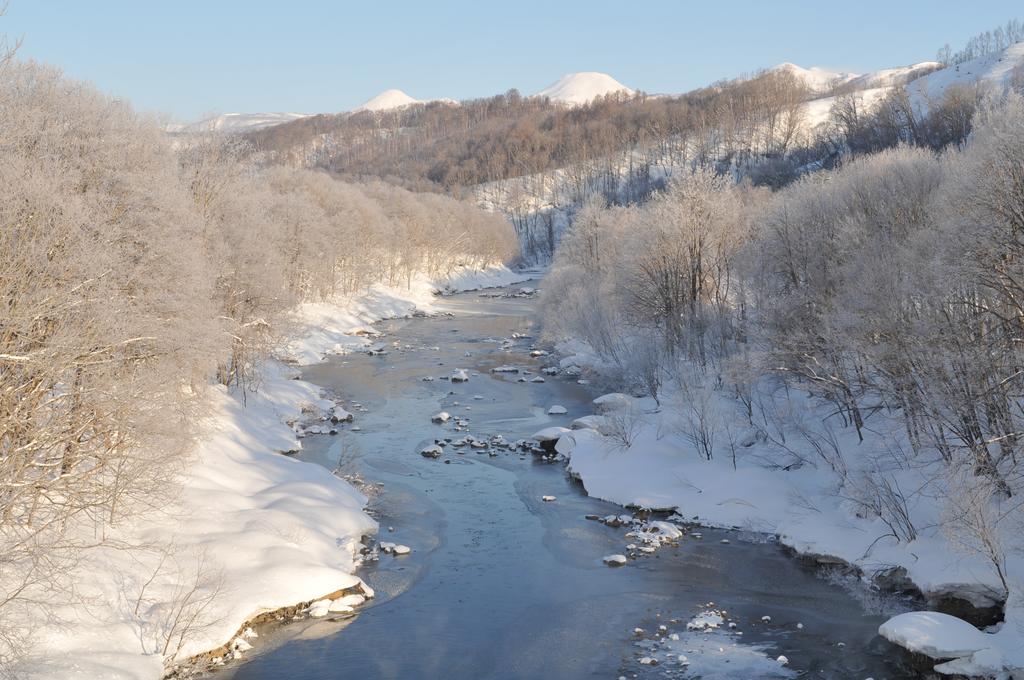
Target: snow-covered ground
column 993, row 72
column 230, row 123
column 817, row 112
column 891, row 77
column 247, row 531
column 779, row 475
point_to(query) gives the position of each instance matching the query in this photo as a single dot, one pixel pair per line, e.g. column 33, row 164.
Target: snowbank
column 468, row 278
column 967, row 650
column 778, row 478
column 250, row 531
column 935, row 635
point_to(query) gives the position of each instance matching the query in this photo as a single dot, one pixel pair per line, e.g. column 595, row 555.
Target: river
column 501, row 584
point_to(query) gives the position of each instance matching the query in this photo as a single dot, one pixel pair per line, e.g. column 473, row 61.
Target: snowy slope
column 387, row 100
column 869, row 89
column 992, row 71
column 229, row 123
column 890, row 77
column 816, row 111
column 817, row 78
column 576, row 89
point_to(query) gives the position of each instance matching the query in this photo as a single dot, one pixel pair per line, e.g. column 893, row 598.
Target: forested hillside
column 136, row 273
column 510, row 135
column 859, row 329
column 538, row 161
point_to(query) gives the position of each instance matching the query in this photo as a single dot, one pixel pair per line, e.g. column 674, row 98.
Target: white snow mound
column 576, row 89
column 939, row 636
column 388, row 100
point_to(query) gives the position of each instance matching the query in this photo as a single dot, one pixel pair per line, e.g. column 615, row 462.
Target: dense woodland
column 890, row 288
column 134, row 274
column 486, row 140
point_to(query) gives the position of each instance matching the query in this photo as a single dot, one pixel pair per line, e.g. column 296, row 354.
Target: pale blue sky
column 191, row 57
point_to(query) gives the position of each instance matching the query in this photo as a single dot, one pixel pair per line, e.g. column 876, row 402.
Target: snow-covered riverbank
column 700, row 453
column 247, row 530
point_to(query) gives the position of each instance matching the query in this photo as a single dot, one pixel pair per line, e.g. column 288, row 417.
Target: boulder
column 340, row 415
column 432, row 451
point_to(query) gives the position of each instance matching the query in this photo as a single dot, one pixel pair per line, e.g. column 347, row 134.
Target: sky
column 189, row 58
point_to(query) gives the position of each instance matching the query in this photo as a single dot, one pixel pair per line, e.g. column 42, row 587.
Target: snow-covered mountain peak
column 817, row 78
column 580, row 88
column 387, row 100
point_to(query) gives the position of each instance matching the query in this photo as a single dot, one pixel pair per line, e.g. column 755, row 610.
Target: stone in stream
column 460, row 376
column 432, row 451
column 340, row 415
column 538, row 379
column 549, row 436
column 395, row 548
column 615, row 560
column 504, row 369
column 557, row 410
column 442, row 417
column 548, row 499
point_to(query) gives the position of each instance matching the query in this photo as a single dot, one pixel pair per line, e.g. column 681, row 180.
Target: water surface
column 501, row 584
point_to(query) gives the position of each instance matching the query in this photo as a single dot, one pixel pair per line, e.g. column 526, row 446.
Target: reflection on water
column 501, row 584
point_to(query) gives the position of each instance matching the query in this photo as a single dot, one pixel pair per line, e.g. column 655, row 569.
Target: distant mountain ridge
column 926, row 81
column 235, row 122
